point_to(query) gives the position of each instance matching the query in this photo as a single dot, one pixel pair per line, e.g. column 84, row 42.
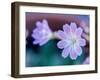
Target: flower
column 42, row 33
column 71, row 40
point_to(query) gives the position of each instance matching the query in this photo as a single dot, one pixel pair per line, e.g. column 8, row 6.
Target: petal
column 35, row 35
column 73, row 27
column 35, row 41
column 62, row 44
column 73, row 54
column 40, row 41
column 75, row 51
column 82, row 42
column 78, row 49
column 46, row 26
column 44, row 41
column 38, row 24
column 65, row 52
column 79, row 31
column 37, row 30
column 61, row 34
column 66, row 28
column 45, row 23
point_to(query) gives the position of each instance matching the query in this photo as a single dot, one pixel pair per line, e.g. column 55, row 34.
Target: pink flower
column 42, row 33
column 71, row 41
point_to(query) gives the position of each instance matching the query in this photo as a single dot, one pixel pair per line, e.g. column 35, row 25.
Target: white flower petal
column 44, row 41
column 82, row 42
column 60, row 34
column 73, row 54
column 66, row 28
column 35, row 41
column 79, row 31
column 62, row 44
column 73, row 27
column 78, row 49
column 66, row 52
column 45, row 21
column 45, row 24
column 38, row 24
